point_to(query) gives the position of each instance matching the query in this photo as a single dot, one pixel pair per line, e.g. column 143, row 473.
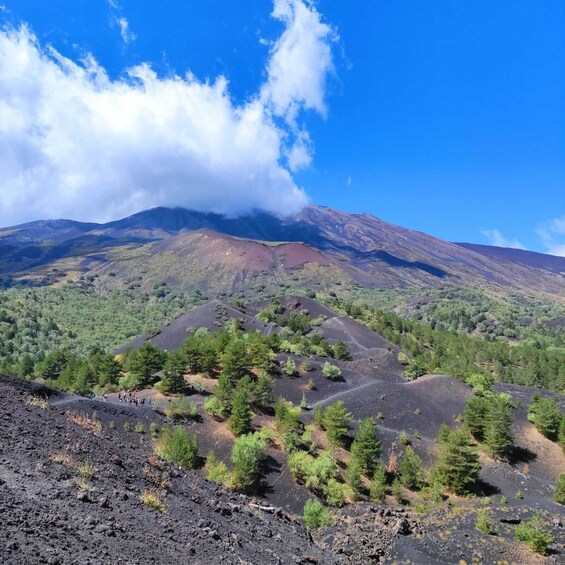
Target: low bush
column 152, row 499
column 336, row 493
column 85, row 469
column 177, row 446
column 534, row 534
column 181, row 408
column 216, row 408
column 316, row 515
column 484, row 522
column 217, row 470
column 331, row 372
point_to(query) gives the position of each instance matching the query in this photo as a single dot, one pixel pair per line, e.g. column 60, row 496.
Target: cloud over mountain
column 76, row 143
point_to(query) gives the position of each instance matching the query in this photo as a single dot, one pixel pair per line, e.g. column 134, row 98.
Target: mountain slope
column 370, row 251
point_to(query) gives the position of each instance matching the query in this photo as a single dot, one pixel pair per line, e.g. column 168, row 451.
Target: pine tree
column 240, row 418
column 544, row 413
column 353, row 476
column 148, row 361
column 224, row 390
column 366, row 448
column 411, row 473
column 498, row 426
column 336, row 422
column 474, row 417
column 235, row 360
column 378, row 485
column 263, row 391
column 458, row 463
column 173, row 378
column 443, row 433
column 396, row 490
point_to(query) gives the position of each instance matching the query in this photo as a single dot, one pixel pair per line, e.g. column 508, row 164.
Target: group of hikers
column 130, row 397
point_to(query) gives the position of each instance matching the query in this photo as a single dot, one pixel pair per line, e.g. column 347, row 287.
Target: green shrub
column 534, row 534
column 318, row 415
column 152, row 499
column 288, row 424
column 181, row 408
column 289, row 367
column 559, row 496
column 519, row 495
column 85, row 469
column 139, row 428
column 178, row 446
column 153, row 430
column 403, row 438
column 336, row 493
column 316, row 515
column 484, row 522
column 314, row 472
column 247, row 456
column 331, row 372
column 216, row 408
column 217, row 470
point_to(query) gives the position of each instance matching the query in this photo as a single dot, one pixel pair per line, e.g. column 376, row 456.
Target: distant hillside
column 520, row 257
column 358, row 247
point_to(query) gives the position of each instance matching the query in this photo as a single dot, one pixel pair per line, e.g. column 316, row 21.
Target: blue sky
column 444, row 116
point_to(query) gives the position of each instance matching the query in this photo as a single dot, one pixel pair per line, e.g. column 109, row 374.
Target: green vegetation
column 484, row 522
column 153, row 499
column 544, row 413
column 181, row 408
column 445, row 338
column 366, row 448
column 411, row 472
column 378, row 488
column 247, row 456
column 489, row 419
column 331, row 372
column 458, row 463
column 336, row 422
column 559, row 496
column 178, row 446
column 534, row 534
column 316, row 515
column 37, row 321
column 173, row 377
column 240, row 418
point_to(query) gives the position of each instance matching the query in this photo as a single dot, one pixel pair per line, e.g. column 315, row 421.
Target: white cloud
column 300, row 61
column 127, row 35
column 551, row 234
column 496, row 238
column 75, row 143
